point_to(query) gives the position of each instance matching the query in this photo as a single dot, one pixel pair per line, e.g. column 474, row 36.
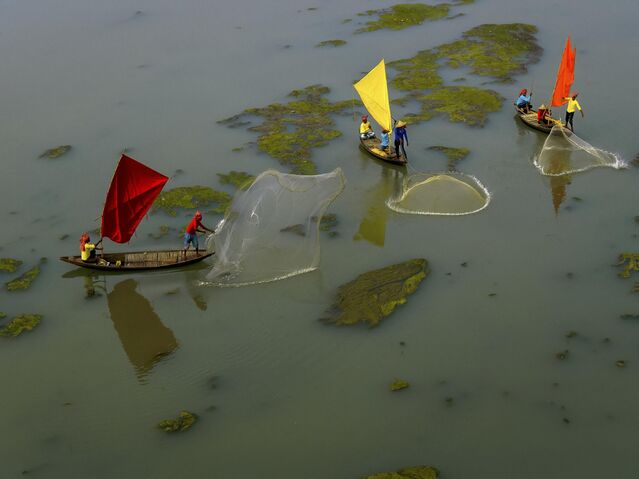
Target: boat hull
column 139, row 260
column 530, row 119
column 371, row 146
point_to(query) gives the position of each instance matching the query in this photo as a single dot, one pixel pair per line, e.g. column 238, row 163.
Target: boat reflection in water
column 558, row 166
column 372, row 228
column 144, row 338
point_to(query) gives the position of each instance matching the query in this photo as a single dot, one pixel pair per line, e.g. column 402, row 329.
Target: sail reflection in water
column 372, row 228
column 450, row 194
column 143, row 336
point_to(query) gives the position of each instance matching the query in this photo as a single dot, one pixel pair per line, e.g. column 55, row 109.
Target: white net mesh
column 564, row 153
column 271, row 230
column 451, row 193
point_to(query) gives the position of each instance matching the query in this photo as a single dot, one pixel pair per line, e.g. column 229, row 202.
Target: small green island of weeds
column 416, row 472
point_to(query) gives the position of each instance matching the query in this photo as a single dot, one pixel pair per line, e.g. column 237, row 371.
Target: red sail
column 565, row 75
column 133, row 189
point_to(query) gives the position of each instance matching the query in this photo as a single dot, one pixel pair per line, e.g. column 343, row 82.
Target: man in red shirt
column 190, row 236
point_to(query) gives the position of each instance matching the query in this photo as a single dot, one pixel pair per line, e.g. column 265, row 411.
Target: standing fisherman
column 190, row 236
column 400, row 137
column 570, row 109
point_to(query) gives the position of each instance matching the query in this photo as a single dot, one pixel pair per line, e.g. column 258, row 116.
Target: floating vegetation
column 25, row 281
column 328, row 223
column 629, row 316
column 416, row 472
column 620, row 363
column 563, row 355
column 20, row 324
column 374, row 295
column 162, row 232
column 190, row 197
column 571, row 334
column 494, row 50
column 3, row 315
column 630, row 262
column 454, row 155
column 238, row 179
column 183, row 422
column 9, row 265
column 404, row 15
column 461, row 104
column 290, row 131
column 399, row 384
column 56, row 152
column 331, row 43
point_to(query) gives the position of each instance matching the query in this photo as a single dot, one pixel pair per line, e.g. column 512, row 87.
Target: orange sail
column 133, row 190
column 565, row 75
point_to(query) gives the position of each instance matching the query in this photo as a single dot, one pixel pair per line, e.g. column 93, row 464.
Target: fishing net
column 450, row 193
column 271, row 230
column 564, row 153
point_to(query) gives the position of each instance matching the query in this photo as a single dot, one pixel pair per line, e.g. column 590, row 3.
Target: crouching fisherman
column 193, row 228
column 523, row 102
column 88, row 249
column 365, row 129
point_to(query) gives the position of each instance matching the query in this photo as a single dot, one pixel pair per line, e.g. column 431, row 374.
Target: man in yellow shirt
column 570, row 109
column 365, row 129
column 87, row 249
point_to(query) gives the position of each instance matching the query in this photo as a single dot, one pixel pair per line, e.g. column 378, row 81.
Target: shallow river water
column 278, row 393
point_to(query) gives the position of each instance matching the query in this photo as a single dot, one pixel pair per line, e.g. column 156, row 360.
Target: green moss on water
column 416, row 472
column 163, row 230
column 420, row 72
column 495, row 50
column 374, row 295
column 3, row 315
column 460, row 104
column 191, row 197
column 238, row 179
column 20, row 324
column 454, row 155
column 404, row 15
column 290, row 131
column 56, row 152
column 9, row 265
column 331, row 43
column 27, row 278
column 183, row 422
column 630, row 263
column 398, row 385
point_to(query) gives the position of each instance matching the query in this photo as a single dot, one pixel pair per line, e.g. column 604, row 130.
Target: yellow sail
column 373, row 90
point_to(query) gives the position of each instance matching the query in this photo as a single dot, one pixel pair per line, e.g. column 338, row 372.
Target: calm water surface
column 280, row 394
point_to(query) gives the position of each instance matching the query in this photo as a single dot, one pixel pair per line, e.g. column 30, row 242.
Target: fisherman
column 523, row 102
column 384, row 145
column 401, row 137
column 88, row 249
column 365, row 129
column 542, row 115
column 190, row 236
column 570, row 109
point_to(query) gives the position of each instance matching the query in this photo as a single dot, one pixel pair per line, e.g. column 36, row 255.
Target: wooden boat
column 371, row 146
column 530, row 119
column 133, row 190
column 139, row 260
column 373, row 90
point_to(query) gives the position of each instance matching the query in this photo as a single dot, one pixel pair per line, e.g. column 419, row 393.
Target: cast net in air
column 451, row 193
column 271, row 230
column 564, row 153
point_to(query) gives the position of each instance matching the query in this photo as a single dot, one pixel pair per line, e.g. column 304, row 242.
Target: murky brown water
column 280, row 394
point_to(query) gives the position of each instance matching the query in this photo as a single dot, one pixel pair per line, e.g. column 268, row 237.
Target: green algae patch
column 183, row 422
column 3, row 315
column 328, row 224
column 374, row 295
column 420, row 72
column 630, row 263
column 460, row 104
column 20, row 324
column 9, row 265
column 398, row 385
column 495, row 50
column 56, row 152
column 238, row 179
column 416, row 472
column 404, row 15
column 454, row 155
column 331, row 43
column 290, row 131
column 163, row 230
column 191, row 197
column 25, row 281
